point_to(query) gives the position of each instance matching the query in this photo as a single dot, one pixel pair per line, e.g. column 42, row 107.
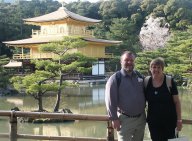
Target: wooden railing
column 109, row 55
column 13, row 135
column 34, row 56
column 84, row 33
column 72, row 76
column 21, row 56
column 51, row 55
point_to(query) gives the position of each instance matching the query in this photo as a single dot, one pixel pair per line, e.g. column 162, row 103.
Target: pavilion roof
column 13, row 64
column 60, row 14
column 58, row 38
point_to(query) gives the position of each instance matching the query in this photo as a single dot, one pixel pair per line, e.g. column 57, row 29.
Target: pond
column 80, row 100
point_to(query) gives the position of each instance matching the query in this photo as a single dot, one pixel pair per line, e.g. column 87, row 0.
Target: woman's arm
column 178, row 110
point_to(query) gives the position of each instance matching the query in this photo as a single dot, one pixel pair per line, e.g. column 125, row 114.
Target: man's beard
column 129, row 69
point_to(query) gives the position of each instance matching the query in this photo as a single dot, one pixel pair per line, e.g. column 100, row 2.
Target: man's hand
column 116, row 124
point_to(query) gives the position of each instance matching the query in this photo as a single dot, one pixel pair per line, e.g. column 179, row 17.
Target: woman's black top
column 161, row 108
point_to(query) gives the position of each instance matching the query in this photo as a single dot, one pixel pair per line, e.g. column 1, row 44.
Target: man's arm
column 111, row 98
column 111, row 101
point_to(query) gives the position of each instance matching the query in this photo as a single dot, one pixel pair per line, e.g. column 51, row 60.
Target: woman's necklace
column 157, row 83
column 156, row 92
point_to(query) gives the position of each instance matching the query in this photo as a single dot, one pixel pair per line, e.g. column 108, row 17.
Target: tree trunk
column 40, row 102
column 56, row 108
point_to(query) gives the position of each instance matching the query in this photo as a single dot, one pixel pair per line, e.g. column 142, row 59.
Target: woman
column 164, row 109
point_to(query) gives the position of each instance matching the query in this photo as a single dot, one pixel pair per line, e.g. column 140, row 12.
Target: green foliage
column 136, row 18
column 4, row 75
column 69, row 62
column 101, row 30
column 17, row 83
column 61, row 47
column 84, row 8
column 47, row 65
column 113, row 64
column 178, row 11
column 177, row 55
column 176, row 69
column 113, row 9
column 77, row 63
column 39, row 81
column 11, row 23
column 36, row 84
column 158, row 11
column 148, row 6
column 3, row 60
column 48, row 71
column 125, row 30
column 4, row 78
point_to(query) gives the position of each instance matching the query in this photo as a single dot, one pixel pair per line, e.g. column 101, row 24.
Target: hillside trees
column 12, row 16
column 125, row 30
column 120, row 23
column 177, row 55
column 85, row 8
column 109, row 10
column 177, row 13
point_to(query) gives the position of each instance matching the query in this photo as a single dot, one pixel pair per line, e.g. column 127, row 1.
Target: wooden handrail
column 42, row 137
column 13, row 136
column 66, row 116
column 187, row 121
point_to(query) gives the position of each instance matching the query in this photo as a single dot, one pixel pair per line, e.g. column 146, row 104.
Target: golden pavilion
column 53, row 27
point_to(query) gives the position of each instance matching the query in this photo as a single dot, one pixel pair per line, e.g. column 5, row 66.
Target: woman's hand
column 179, row 125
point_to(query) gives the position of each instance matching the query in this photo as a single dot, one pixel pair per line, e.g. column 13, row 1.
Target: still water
column 81, row 100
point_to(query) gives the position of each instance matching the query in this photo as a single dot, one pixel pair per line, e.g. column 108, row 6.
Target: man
column 125, row 102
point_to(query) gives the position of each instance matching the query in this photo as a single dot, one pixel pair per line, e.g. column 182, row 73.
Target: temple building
column 53, row 27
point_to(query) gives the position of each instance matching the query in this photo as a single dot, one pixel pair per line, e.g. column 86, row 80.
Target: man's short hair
column 128, row 53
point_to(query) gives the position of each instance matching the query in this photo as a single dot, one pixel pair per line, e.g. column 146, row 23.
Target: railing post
column 13, row 127
column 110, row 131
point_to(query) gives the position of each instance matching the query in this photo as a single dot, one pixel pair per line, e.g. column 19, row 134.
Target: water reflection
column 91, row 101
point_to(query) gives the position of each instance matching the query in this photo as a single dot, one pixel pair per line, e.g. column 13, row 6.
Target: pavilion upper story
column 61, row 23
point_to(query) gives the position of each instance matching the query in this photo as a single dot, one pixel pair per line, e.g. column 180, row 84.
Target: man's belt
column 129, row 116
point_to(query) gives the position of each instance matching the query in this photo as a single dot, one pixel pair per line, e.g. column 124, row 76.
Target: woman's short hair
column 158, row 61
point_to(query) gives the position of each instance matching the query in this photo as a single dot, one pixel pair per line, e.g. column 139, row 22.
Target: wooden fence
column 13, row 135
